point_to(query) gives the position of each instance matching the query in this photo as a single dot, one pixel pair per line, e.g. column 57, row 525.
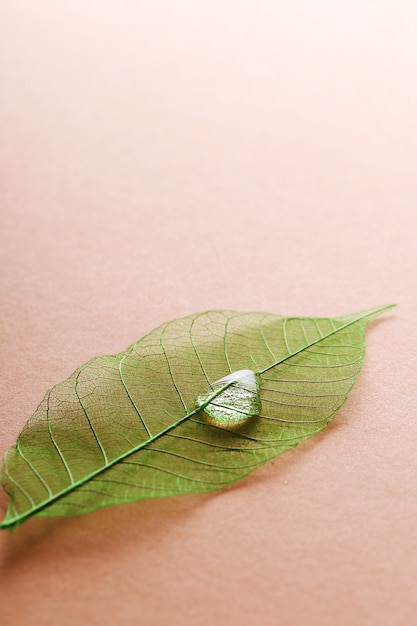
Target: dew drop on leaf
column 237, row 403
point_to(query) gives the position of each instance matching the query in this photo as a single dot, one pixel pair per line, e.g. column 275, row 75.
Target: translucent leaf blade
column 133, row 425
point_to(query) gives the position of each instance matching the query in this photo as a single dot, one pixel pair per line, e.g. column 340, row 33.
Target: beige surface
column 161, row 158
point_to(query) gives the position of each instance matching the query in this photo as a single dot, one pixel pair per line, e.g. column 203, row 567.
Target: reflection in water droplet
column 236, row 404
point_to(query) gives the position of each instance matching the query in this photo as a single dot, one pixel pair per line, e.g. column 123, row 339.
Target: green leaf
column 195, row 405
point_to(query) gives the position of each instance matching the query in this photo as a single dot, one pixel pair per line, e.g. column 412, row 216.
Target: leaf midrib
column 73, row 486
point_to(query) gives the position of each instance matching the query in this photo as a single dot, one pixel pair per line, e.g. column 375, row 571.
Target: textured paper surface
column 162, row 158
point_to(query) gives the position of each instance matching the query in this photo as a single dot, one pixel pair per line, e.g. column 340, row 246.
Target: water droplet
column 235, row 405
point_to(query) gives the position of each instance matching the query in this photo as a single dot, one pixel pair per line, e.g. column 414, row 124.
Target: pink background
column 166, row 157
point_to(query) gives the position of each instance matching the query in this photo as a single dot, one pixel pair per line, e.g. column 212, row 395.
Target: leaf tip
column 380, row 309
column 386, row 307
